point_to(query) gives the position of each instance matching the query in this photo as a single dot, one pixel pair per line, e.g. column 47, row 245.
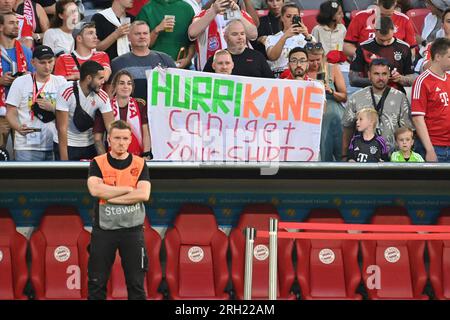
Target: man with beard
column 15, row 60
column 76, row 105
column 25, row 30
column 391, row 105
column 247, row 62
column 299, row 63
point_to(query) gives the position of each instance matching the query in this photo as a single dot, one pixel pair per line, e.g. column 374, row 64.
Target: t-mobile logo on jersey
column 444, row 98
column 362, row 157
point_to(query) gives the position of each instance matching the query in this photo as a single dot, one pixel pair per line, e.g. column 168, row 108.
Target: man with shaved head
column 247, row 62
column 223, row 62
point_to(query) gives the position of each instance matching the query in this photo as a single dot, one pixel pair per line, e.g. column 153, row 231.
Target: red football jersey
column 430, row 98
column 362, row 27
column 65, row 64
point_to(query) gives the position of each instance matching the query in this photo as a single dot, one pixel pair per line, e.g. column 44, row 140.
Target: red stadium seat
column 400, row 263
column 309, row 18
column 59, row 255
column 13, row 267
column 258, row 216
column 328, row 269
column 417, row 17
column 196, row 265
column 117, row 288
column 439, row 252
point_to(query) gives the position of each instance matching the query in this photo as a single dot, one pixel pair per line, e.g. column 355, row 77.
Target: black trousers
column 76, row 153
column 131, row 246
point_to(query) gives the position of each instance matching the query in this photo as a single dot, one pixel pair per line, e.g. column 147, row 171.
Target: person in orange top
column 120, row 180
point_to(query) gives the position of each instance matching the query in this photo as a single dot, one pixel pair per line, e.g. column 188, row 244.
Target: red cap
column 336, row 56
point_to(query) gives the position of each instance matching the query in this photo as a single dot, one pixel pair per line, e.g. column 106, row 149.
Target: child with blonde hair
column 366, row 145
column 404, row 137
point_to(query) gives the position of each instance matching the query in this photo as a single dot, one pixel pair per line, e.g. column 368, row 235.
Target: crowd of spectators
column 69, row 68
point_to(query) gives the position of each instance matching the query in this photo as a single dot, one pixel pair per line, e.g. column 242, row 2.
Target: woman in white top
column 59, row 36
column 330, row 31
column 293, row 35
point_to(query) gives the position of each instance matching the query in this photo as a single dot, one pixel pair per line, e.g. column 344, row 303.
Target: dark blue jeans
column 442, row 152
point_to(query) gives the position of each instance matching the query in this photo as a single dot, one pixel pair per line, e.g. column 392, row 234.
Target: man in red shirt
column 363, row 25
column 68, row 65
column 430, row 104
column 297, row 68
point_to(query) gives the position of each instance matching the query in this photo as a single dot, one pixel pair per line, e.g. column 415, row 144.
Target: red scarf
column 134, row 120
column 21, row 67
column 28, row 13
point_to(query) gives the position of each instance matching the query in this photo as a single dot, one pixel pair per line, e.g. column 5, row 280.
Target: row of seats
column 196, row 259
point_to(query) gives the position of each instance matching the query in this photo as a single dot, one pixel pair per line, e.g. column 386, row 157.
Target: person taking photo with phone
column 31, row 108
column 208, row 27
column 294, row 34
column 15, row 61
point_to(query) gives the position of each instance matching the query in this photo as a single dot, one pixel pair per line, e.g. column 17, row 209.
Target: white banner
column 198, row 116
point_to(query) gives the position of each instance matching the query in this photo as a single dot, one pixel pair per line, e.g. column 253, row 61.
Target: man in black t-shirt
column 113, row 25
column 247, row 62
column 48, row 5
column 384, row 45
column 121, row 183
